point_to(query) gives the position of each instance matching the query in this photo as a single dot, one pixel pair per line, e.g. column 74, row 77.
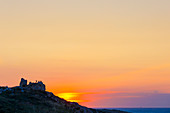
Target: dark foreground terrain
column 18, row 100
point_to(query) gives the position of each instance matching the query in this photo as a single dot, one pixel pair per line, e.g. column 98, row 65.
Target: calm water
column 145, row 110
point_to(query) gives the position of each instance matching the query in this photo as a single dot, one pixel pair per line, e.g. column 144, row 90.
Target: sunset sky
column 100, row 53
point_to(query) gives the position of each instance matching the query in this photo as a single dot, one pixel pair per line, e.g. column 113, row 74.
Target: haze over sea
column 145, row 110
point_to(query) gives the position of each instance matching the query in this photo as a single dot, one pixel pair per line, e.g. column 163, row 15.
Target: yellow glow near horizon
column 72, row 97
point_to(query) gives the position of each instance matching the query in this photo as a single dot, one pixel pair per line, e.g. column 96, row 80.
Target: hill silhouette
column 32, row 98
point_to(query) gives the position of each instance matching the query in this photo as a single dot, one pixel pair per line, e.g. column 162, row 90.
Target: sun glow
column 72, row 97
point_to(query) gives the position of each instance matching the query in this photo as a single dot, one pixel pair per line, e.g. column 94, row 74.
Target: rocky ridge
column 32, row 98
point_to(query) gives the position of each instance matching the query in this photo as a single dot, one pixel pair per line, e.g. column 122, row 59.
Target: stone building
column 23, row 82
column 32, row 86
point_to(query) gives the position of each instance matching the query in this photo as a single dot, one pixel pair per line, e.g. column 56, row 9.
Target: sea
column 145, row 110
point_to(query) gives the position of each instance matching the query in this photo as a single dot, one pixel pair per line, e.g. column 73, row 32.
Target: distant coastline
column 142, row 110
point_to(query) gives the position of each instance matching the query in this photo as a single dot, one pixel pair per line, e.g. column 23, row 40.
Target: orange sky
column 88, row 49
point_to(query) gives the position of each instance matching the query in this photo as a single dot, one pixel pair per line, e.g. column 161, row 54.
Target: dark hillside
column 18, row 100
column 33, row 98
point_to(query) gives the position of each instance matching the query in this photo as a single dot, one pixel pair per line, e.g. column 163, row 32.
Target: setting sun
column 72, row 97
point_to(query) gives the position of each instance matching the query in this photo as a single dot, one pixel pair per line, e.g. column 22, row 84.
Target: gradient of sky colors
column 101, row 53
